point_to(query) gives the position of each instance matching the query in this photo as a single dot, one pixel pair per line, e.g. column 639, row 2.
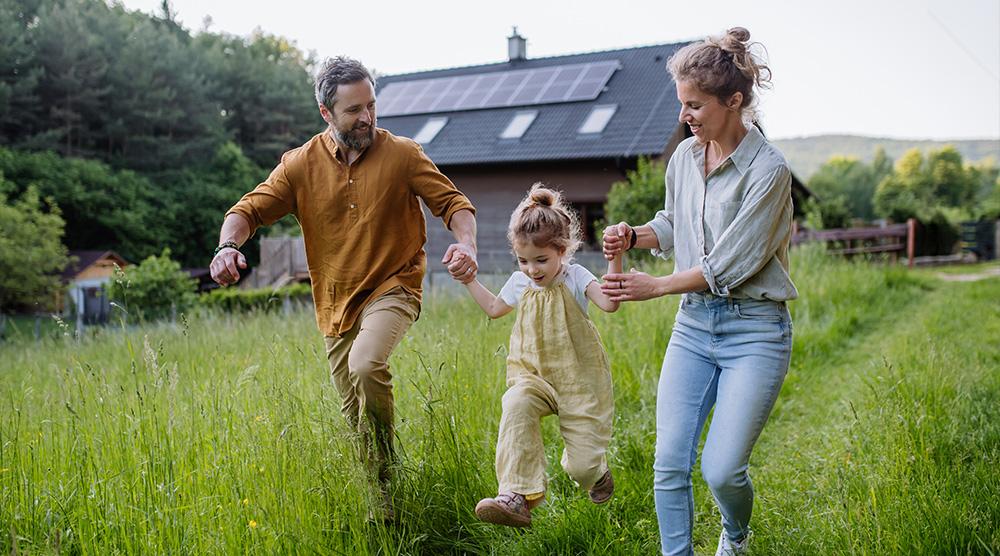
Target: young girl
column 556, row 364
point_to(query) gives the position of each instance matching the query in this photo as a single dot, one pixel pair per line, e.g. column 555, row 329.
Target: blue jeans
column 732, row 354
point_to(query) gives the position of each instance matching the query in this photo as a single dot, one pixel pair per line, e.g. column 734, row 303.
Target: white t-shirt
column 576, row 278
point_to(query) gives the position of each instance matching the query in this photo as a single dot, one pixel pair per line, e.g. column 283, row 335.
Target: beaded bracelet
column 226, row 245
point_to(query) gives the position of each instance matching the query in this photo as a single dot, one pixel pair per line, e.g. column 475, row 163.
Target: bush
column 637, row 199
column 154, row 289
column 263, row 299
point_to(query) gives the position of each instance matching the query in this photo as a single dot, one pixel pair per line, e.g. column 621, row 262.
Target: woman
column 727, row 221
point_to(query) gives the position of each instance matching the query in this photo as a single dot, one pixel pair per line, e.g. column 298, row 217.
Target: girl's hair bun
column 542, row 196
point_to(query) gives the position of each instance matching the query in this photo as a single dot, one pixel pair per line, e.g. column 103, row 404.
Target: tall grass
column 222, row 434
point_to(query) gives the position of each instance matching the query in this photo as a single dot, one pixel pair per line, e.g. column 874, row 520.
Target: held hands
column 631, row 286
column 461, row 262
column 616, row 239
column 225, row 266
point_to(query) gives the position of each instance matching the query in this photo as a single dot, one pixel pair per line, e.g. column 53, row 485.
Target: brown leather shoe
column 508, row 508
column 603, row 489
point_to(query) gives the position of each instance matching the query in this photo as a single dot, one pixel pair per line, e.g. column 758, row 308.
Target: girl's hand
column 631, row 286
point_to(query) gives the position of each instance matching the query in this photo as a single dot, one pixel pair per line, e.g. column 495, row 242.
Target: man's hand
column 461, row 262
column 616, row 239
column 225, row 266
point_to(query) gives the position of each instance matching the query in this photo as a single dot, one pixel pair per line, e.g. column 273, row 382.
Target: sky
column 906, row 69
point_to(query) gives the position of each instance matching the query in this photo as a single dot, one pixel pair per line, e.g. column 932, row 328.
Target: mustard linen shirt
column 362, row 223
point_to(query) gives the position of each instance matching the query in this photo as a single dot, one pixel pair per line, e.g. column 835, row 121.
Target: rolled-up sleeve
column 754, row 236
column 438, row 193
column 662, row 223
column 267, row 202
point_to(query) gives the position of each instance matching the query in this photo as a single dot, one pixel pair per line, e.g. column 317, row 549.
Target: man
column 355, row 190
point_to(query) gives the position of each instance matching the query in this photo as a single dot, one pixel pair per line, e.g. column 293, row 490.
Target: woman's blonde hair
column 724, row 65
column 543, row 219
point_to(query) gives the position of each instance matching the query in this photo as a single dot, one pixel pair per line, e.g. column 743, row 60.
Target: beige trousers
column 557, row 366
column 359, row 367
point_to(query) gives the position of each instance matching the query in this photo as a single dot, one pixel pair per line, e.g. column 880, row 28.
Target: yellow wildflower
column 246, row 502
column 253, row 524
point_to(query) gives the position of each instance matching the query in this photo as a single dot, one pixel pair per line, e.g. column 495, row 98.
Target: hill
column 806, row 154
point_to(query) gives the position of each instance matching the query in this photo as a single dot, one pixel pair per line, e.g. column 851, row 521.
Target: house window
column 590, row 214
column 430, row 130
column 598, row 118
column 519, row 124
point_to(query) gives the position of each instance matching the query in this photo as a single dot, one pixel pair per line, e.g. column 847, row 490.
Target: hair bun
column 739, row 34
column 541, row 195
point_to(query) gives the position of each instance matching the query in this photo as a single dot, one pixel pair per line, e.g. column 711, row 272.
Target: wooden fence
column 891, row 240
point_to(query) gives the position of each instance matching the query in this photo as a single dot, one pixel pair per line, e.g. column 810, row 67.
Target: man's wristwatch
column 633, row 239
column 226, row 245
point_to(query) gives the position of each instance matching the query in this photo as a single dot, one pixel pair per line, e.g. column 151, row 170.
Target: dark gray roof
column 645, row 119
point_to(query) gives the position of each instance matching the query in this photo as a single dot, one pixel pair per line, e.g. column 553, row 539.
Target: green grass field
column 222, row 435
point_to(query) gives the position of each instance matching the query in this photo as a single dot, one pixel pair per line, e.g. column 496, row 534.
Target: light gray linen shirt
column 736, row 222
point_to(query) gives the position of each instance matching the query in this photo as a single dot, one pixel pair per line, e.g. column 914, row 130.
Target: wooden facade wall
column 496, row 190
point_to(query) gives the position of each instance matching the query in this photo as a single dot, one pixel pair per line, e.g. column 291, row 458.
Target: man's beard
column 357, row 139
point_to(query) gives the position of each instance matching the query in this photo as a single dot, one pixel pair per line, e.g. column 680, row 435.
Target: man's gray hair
column 338, row 71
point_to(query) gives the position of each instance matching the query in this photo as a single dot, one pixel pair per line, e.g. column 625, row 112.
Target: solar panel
column 566, row 83
column 592, row 82
column 533, row 87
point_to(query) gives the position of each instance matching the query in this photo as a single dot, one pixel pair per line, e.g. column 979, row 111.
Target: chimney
column 516, row 47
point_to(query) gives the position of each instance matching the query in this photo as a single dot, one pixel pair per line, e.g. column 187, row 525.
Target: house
column 577, row 122
column 85, row 277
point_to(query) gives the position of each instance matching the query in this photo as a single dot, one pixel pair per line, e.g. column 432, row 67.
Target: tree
column 953, row 185
column 31, row 252
column 844, row 187
column 263, row 87
column 990, row 207
column 198, row 201
column 72, row 88
column 154, row 289
column 19, row 72
column 922, row 187
column 103, row 208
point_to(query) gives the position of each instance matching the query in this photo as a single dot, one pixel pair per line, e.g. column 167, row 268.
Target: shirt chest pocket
column 718, row 216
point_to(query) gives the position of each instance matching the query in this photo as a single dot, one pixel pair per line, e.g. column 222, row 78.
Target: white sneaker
column 731, row 548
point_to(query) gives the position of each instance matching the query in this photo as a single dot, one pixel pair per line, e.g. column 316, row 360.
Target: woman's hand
column 632, row 286
column 616, row 239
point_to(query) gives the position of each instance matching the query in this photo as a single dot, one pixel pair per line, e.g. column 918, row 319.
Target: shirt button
column 353, row 205
column 350, row 181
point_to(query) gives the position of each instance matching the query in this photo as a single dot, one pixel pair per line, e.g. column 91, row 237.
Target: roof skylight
column 519, row 124
column 430, row 130
column 598, row 119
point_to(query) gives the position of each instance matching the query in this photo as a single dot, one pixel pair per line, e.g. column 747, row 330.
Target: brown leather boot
column 603, row 489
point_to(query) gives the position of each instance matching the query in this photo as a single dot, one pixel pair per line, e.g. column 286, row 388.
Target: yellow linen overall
column 557, row 365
